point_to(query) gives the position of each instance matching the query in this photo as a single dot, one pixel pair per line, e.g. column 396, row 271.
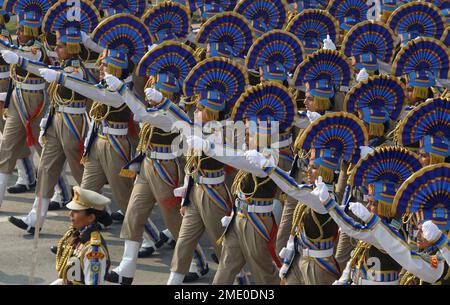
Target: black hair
column 97, row 213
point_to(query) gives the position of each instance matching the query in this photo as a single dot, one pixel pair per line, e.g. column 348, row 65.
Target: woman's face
column 79, row 219
column 61, row 51
column 23, row 39
column 199, row 114
column 309, row 102
column 312, row 171
column 103, row 69
column 372, row 204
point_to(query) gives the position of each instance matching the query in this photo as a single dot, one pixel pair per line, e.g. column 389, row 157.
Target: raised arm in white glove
column 365, row 150
column 113, row 82
column 49, row 75
column 197, row 143
column 153, row 95
column 258, row 159
column 10, row 57
column 362, row 75
column 321, row 190
column 431, row 231
column 3, row 96
column 328, row 44
column 360, row 211
column 312, row 116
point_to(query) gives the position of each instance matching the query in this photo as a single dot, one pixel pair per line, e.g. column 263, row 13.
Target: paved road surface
column 16, row 246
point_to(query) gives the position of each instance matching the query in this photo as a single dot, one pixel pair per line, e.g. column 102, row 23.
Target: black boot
column 117, row 216
column 193, row 276
column 53, row 249
column 113, row 277
column 105, row 219
column 165, row 239
column 145, row 252
column 20, row 224
column 54, row 205
column 21, row 188
column 215, row 258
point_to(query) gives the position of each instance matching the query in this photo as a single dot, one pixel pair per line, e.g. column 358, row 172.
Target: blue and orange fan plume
column 380, row 91
column 17, row 6
column 276, row 46
column 427, row 195
column 228, row 28
column 423, row 54
column 417, row 19
column 341, row 132
column 56, row 17
column 330, row 65
column 123, row 32
column 268, row 102
column 170, row 57
column 210, row 7
column 113, row 7
column 312, row 26
column 265, row 15
column 349, row 12
column 168, row 20
column 431, row 118
column 392, row 164
column 217, row 74
column 300, row 5
column 370, row 37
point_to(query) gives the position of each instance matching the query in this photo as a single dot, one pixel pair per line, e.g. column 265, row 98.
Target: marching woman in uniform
column 425, row 195
column 107, row 148
column 29, row 95
column 215, row 81
column 331, row 139
column 65, row 127
column 167, row 65
column 275, row 55
column 380, row 173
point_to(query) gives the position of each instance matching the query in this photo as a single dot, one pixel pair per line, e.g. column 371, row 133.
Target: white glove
column 312, row 116
column 283, row 270
column 226, row 221
column 41, row 139
column 153, row 95
column 180, row 191
column 430, row 231
column 258, row 159
column 197, row 143
column 365, row 150
column 10, row 57
column 321, row 190
column 360, row 211
column 3, row 96
column 328, row 44
column 48, row 74
column 362, row 75
column 113, row 82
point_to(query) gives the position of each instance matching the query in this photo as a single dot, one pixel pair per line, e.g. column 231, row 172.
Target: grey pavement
column 17, row 250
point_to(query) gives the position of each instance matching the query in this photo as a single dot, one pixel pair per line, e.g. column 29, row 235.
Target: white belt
column 253, row 208
column 4, row 75
column 115, row 131
column 318, row 253
column 89, row 65
column 25, row 86
column 71, row 110
column 362, row 281
column 160, row 155
column 207, row 180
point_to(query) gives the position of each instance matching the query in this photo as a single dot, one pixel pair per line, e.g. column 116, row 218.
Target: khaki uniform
column 208, row 205
column 149, row 188
column 245, row 243
column 108, row 153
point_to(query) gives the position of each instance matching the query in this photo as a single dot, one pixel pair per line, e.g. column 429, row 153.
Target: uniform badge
column 76, row 63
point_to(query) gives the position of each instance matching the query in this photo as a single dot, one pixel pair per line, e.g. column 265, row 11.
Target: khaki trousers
column 243, row 244
column 13, row 145
column 202, row 214
column 294, row 276
column 313, row 274
column 150, row 188
column 61, row 145
column 103, row 166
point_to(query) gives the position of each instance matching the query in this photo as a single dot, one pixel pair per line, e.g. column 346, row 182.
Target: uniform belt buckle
column 196, row 178
column 243, row 204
